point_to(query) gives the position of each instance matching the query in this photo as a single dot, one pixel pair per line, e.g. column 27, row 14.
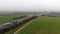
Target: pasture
column 5, row 19
column 42, row 25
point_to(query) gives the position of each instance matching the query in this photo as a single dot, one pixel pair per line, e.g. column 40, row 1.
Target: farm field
column 5, row 19
column 42, row 25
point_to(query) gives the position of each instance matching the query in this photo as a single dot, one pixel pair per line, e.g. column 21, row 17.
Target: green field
column 5, row 19
column 10, row 18
column 42, row 25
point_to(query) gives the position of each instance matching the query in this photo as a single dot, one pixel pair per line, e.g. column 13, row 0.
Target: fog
column 29, row 5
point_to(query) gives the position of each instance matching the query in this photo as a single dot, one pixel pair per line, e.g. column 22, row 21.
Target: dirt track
column 21, row 28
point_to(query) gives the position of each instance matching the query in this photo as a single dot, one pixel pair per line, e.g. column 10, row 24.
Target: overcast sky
column 29, row 5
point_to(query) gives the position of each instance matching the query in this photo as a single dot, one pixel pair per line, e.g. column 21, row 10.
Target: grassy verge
column 5, row 19
column 43, row 25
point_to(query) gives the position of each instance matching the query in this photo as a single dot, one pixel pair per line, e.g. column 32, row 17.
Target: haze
column 29, row 5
